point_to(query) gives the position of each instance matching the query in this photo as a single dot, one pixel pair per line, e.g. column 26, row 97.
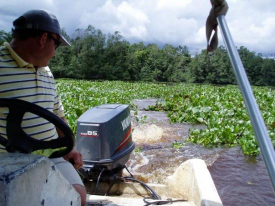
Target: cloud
column 133, row 22
column 15, row 8
column 103, row 18
column 173, row 22
column 176, row 22
column 129, row 21
column 252, row 24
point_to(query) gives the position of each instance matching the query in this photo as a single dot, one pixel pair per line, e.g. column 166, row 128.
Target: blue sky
column 176, row 22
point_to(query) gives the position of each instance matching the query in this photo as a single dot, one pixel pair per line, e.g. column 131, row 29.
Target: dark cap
column 41, row 20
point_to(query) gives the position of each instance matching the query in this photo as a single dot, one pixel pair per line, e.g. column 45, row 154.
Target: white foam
column 147, row 133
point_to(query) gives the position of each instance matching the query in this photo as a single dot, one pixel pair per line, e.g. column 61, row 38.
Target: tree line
column 98, row 56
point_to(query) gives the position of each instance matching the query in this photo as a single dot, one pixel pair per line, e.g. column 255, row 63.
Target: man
column 24, row 74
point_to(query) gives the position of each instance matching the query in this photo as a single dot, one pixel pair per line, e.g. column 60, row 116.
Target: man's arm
column 74, row 154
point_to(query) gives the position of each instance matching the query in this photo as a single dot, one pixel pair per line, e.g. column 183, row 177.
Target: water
column 157, row 161
column 240, row 180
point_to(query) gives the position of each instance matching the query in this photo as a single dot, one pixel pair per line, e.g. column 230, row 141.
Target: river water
column 240, row 180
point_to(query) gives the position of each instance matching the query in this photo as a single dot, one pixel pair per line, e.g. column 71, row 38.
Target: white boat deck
column 191, row 181
column 97, row 200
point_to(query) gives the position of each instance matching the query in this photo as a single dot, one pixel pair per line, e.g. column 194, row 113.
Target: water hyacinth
column 220, row 108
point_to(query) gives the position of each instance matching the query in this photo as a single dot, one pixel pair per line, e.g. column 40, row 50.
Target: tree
column 60, row 62
column 151, row 67
column 219, row 70
column 116, row 56
column 252, row 64
column 94, row 55
column 5, row 37
column 136, row 59
column 268, row 72
column 197, row 68
column 89, row 49
column 181, row 61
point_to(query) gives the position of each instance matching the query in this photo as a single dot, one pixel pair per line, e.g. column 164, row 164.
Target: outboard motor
column 104, row 137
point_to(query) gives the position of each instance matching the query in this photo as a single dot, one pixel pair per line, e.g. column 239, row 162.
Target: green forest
column 98, row 56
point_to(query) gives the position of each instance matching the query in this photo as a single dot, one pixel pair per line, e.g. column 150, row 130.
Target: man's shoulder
column 4, row 52
column 46, row 71
column 6, row 59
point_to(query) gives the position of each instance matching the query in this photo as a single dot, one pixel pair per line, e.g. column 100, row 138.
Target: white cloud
column 177, row 22
column 252, row 24
column 265, row 30
column 129, row 21
column 133, row 21
column 104, row 17
column 174, row 6
column 15, row 7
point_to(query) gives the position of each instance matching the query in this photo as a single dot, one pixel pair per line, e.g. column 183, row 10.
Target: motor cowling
column 104, row 137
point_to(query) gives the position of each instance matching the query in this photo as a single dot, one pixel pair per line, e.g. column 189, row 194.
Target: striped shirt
column 20, row 80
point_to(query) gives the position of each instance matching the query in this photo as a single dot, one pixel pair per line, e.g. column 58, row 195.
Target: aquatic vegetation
column 220, row 108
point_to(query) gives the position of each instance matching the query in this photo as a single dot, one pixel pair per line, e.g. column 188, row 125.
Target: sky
column 176, row 22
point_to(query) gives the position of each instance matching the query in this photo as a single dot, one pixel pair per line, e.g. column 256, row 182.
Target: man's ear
column 43, row 40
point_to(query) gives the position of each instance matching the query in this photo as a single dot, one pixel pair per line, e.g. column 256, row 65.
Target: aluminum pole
column 259, row 127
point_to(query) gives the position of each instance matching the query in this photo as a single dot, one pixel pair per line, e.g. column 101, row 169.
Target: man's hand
column 76, row 157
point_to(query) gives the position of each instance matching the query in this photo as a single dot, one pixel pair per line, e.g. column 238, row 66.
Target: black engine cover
column 104, row 136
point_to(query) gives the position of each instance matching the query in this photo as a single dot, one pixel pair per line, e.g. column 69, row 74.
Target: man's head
column 36, row 22
column 36, row 35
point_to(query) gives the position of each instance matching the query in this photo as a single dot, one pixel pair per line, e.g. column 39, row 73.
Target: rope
column 219, row 7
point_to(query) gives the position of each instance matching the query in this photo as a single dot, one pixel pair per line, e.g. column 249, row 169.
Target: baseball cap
column 42, row 20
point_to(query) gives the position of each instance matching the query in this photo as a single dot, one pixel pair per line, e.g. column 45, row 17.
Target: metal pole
column 259, row 127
